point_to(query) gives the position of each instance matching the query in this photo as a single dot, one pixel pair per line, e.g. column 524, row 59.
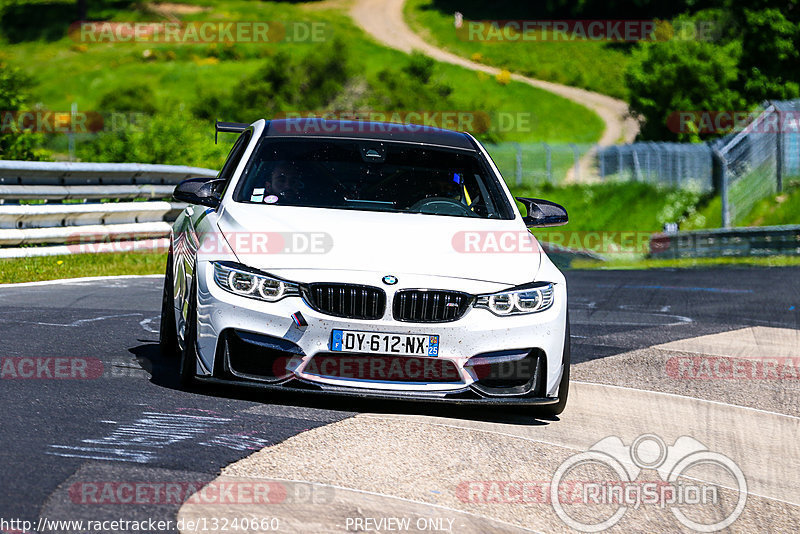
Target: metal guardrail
column 97, row 208
column 70, row 173
column 752, row 241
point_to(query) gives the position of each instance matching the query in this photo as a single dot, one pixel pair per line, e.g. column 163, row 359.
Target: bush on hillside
column 16, row 143
column 176, row 138
column 136, row 97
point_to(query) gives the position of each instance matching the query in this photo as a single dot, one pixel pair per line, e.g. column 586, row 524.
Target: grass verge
column 687, row 263
column 774, row 210
column 614, row 206
column 79, row 265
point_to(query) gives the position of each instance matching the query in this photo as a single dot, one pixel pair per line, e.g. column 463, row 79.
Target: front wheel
column 189, row 353
column 168, row 333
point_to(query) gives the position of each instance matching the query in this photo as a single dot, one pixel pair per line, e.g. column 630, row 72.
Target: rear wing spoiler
column 229, row 127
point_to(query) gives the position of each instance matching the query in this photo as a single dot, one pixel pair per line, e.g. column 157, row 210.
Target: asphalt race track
column 103, row 407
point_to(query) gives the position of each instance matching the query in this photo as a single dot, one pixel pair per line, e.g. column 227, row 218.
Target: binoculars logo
column 679, row 487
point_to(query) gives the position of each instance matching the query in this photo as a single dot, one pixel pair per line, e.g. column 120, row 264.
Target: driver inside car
column 284, row 181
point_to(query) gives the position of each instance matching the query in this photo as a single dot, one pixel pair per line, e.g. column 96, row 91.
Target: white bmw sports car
column 369, row 260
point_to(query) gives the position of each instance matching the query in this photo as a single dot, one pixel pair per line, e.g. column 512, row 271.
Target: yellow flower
column 206, row 61
column 663, row 31
column 503, row 77
column 59, row 262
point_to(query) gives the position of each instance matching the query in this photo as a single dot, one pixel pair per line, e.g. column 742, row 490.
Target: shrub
column 16, row 144
column 176, row 138
column 137, row 97
column 283, row 83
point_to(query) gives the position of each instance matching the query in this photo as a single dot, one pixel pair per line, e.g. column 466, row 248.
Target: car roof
column 374, row 131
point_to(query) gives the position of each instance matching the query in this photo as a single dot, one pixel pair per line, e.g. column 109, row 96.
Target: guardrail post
column 576, row 157
column 548, row 162
column 779, row 156
column 601, row 162
column 71, row 136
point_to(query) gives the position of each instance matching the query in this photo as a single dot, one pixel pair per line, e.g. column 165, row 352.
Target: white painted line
column 73, row 324
column 146, row 324
column 675, row 395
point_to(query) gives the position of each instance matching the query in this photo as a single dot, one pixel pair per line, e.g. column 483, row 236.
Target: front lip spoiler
column 382, row 394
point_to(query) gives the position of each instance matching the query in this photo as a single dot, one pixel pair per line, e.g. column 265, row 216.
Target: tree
column 770, row 62
column 673, row 76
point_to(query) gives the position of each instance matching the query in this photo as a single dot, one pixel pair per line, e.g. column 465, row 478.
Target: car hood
column 304, row 240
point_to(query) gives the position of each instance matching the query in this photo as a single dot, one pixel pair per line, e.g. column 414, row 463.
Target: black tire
column 168, row 333
column 189, row 353
column 563, row 387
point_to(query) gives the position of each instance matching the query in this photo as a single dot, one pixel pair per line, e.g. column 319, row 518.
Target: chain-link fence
column 743, row 168
column 789, row 147
column 676, row 165
column 755, row 162
column 532, row 164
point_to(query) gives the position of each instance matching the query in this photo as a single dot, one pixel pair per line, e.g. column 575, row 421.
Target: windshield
column 372, row 175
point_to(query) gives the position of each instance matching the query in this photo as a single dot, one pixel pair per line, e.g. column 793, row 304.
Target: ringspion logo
column 601, row 504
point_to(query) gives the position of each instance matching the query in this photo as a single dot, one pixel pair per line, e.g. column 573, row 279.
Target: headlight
column 246, row 282
column 531, row 298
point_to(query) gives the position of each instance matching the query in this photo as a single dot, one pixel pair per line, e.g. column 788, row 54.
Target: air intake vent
column 430, row 306
column 347, row 300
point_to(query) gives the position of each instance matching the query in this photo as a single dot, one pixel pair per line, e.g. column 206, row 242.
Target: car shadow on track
column 164, row 373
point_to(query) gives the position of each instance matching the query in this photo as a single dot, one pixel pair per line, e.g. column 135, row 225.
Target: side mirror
column 543, row 213
column 202, row 191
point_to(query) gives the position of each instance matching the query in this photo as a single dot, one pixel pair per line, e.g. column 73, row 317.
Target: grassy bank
column 783, row 208
column 615, row 207
column 592, row 65
column 80, row 265
column 181, row 75
column 686, row 263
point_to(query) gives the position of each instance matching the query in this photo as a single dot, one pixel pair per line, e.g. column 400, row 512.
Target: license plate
column 378, row 343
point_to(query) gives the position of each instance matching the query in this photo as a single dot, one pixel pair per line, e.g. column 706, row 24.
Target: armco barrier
column 755, row 241
column 54, row 227
column 69, row 173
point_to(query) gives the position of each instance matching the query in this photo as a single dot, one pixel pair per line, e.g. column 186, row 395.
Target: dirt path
column 383, row 19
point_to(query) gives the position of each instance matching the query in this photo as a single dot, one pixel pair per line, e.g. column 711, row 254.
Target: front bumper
column 291, row 355
column 466, row 396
